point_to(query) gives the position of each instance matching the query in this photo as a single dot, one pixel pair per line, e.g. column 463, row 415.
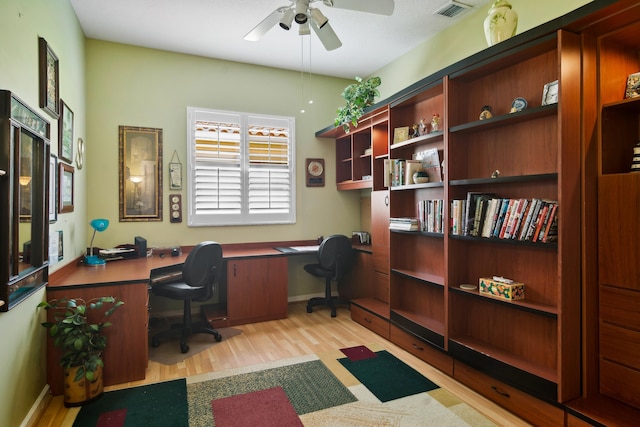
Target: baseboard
column 38, row 408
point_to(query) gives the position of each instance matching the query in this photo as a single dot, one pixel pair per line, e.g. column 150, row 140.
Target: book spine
column 503, row 211
column 533, row 212
column 507, row 215
column 512, row 219
column 550, row 220
column 488, row 219
column 523, row 214
column 535, row 228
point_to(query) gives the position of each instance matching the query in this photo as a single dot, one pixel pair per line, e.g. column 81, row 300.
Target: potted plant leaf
column 358, row 96
column 76, row 325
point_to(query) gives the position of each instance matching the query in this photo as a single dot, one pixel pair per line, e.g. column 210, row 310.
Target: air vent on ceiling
column 452, row 9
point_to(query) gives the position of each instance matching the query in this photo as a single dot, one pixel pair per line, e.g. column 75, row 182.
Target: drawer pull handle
column 417, row 347
column 500, row 392
column 368, row 320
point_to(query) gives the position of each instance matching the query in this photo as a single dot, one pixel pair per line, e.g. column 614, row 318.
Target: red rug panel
column 358, row 353
column 264, row 408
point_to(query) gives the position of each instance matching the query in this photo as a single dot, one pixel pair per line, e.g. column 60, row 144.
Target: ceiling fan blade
column 380, row 7
column 266, row 24
column 327, row 36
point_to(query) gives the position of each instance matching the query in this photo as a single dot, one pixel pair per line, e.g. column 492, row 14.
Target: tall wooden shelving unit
column 567, row 353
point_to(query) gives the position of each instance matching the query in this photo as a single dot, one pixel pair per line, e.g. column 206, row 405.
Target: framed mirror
column 24, row 190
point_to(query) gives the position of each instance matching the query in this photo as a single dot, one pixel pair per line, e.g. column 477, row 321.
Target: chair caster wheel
column 309, row 308
column 218, row 338
column 333, row 314
column 184, row 348
column 155, row 343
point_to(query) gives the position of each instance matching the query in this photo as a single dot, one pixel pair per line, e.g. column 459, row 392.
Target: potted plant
column 73, row 327
column 358, row 96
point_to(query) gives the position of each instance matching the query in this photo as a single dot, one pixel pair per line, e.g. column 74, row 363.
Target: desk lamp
column 97, row 225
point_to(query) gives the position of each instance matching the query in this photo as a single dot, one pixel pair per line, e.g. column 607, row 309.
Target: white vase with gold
column 501, row 22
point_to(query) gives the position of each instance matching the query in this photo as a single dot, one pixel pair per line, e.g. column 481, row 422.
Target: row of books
column 485, row 215
column 404, row 224
column 400, row 171
column 431, row 215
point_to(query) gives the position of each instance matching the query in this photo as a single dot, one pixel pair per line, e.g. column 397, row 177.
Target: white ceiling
column 216, row 29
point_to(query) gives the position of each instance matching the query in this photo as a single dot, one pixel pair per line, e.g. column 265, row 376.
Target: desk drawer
column 523, row 405
column 370, row 321
column 422, row 350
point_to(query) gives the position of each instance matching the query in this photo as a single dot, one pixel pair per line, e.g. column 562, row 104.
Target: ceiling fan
column 307, row 16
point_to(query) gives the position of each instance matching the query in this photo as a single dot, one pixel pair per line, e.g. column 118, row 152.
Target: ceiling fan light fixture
column 286, row 20
column 304, row 29
column 318, row 17
column 301, row 11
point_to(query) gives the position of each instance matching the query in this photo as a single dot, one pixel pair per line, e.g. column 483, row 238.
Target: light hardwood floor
column 299, row 334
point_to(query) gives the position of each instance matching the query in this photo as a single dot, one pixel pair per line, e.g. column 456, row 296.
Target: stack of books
column 485, row 215
column 404, row 224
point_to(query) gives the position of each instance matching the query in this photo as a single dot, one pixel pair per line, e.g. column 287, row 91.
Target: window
column 241, row 168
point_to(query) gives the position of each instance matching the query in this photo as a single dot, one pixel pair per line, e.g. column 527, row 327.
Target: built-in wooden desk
column 253, row 289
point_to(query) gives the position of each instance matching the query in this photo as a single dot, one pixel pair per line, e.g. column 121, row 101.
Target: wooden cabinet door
column 256, row 289
column 380, row 230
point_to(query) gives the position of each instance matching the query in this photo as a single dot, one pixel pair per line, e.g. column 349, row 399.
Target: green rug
column 387, row 377
column 161, row 404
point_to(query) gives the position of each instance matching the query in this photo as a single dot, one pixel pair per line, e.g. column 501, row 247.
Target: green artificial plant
column 81, row 341
column 358, row 96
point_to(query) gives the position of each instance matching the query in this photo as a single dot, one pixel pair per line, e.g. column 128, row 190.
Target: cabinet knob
column 386, row 200
column 2, row 173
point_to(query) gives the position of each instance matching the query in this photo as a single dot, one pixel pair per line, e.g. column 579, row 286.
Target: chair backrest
column 203, row 267
column 336, row 254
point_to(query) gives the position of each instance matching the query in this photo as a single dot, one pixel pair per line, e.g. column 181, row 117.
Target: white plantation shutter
column 241, row 168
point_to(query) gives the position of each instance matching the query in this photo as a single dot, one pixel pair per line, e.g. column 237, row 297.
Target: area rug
column 161, row 404
column 370, row 388
column 168, row 352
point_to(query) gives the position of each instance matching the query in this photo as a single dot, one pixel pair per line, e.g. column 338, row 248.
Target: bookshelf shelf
column 423, row 139
column 426, row 278
column 511, row 119
column 496, row 240
column 526, row 305
column 416, row 186
column 504, row 179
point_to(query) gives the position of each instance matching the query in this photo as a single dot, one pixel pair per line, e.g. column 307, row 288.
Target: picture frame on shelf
column 633, row 86
column 140, row 174
column 65, row 133
column 49, row 79
column 65, row 188
column 400, row 134
column 53, row 186
column 550, row 93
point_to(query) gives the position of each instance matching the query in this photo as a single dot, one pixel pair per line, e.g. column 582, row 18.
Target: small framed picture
column 49, row 79
column 550, row 93
column 633, row 86
column 65, row 133
column 400, row 134
column 53, row 187
column 65, row 188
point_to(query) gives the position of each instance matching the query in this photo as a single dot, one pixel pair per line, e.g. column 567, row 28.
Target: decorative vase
column 635, row 164
column 77, row 393
column 501, row 22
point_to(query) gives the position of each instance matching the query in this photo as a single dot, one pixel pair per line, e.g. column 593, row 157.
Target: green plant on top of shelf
column 358, row 96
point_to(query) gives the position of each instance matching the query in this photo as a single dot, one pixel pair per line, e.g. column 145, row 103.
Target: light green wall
column 135, row 86
column 143, row 87
column 462, row 40
column 23, row 369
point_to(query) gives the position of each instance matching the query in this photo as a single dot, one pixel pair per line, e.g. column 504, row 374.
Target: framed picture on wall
column 140, row 174
column 49, row 79
column 65, row 133
column 65, row 188
column 53, row 186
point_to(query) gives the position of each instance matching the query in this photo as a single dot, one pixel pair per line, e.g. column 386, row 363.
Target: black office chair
column 335, row 257
column 200, row 274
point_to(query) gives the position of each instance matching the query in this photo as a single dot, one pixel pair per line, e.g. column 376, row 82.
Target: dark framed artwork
column 53, row 188
column 65, row 133
column 314, row 172
column 49, row 79
column 140, row 173
column 65, row 188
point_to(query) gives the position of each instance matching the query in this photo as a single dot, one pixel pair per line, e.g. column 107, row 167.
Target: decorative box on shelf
column 502, row 288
